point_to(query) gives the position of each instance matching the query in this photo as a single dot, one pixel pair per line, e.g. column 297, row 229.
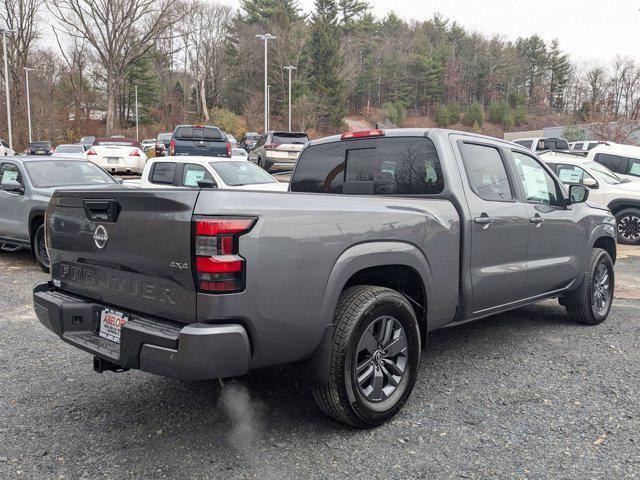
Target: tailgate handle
column 102, row 210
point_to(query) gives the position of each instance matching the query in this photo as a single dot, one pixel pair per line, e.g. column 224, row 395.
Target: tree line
column 199, row 61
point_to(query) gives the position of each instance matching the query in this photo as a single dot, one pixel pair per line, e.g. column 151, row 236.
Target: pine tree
column 325, row 60
column 559, row 66
column 351, row 11
column 261, row 11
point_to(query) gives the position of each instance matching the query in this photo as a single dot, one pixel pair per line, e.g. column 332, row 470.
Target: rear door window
column 612, row 162
column 163, row 173
column 486, row 172
column 386, row 166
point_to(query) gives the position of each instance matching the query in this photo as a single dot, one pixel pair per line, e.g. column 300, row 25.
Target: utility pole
column 26, row 72
column 135, row 88
column 266, row 37
column 6, row 82
column 290, row 67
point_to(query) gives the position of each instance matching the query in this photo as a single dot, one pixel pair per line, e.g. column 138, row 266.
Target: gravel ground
column 520, row 395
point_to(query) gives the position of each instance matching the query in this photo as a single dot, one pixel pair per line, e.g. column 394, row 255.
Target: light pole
column 266, row 37
column 290, row 67
column 6, row 82
column 26, row 72
column 135, row 88
column 268, row 108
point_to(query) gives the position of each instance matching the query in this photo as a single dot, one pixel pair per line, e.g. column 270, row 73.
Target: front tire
column 628, row 221
column 40, row 250
column 375, row 353
column 595, row 299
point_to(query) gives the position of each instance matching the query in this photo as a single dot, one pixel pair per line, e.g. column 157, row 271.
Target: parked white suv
column 621, row 159
column 620, row 195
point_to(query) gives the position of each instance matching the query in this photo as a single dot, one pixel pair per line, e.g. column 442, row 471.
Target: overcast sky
column 591, row 29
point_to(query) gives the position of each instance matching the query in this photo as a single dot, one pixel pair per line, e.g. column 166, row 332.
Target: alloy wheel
column 381, row 359
column 601, row 293
column 629, row 228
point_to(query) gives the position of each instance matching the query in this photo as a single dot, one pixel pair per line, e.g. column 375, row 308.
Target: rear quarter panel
column 301, row 249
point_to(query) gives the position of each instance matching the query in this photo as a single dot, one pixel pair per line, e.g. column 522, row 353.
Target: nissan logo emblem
column 101, row 237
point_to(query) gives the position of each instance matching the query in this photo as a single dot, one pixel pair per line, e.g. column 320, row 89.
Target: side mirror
column 12, row 186
column 590, row 183
column 207, row 184
column 578, row 194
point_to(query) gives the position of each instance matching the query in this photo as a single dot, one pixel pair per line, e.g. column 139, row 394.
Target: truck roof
column 416, row 132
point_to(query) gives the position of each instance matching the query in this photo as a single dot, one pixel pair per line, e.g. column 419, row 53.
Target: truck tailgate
column 129, row 249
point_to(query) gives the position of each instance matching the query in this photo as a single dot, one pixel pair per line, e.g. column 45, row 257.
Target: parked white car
column 148, row 144
column 117, row 155
column 539, row 144
column 70, row 150
column 619, row 195
column 5, row 150
column 225, row 173
column 621, row 159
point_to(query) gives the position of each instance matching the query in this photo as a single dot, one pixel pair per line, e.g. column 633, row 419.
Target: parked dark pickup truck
column 199, row 140
column 385, row 236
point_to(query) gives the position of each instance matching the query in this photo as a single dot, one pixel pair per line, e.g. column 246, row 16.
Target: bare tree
column 20, row 16
column 120, row 31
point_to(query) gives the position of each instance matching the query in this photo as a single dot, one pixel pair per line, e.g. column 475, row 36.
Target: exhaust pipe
column 100, row 365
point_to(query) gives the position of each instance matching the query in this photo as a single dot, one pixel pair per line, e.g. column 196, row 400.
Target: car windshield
column 604, row 174
column 165, row 136
column 60, row 173
column 69, row 149
column 290, row 138
column 239, row 173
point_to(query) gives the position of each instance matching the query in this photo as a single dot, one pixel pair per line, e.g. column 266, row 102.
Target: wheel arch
column 36, row 216
column 376, row 263
column 620, row 204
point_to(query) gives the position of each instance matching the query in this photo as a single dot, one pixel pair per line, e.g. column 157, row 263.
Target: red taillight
column 362, row 134
column 134, row 153
column 271, row 146
column 172, row 147
column 91, row 151
column 228, row 149
column 219, row 267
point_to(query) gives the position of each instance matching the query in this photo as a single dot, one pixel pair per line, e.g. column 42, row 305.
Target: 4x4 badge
column 100, row 237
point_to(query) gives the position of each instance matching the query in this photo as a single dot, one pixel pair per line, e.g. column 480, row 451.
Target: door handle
column 537, row 220
column 484, row 220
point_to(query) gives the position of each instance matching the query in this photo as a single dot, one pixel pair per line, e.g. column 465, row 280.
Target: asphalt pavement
column 526, row 394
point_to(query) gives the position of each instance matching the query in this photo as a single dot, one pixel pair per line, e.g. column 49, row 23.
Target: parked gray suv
column 27, row 184
column 384, row 236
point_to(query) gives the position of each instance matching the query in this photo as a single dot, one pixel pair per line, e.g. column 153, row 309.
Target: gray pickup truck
column 383, row 237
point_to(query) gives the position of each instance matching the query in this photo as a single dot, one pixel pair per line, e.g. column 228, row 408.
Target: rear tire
column 628, row 221
column 375, row 353
column 596, row 298
column 40, row 249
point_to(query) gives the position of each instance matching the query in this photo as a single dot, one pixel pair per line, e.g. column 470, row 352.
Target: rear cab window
column 381, row 166
column 163, row 173
column 198, row 133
